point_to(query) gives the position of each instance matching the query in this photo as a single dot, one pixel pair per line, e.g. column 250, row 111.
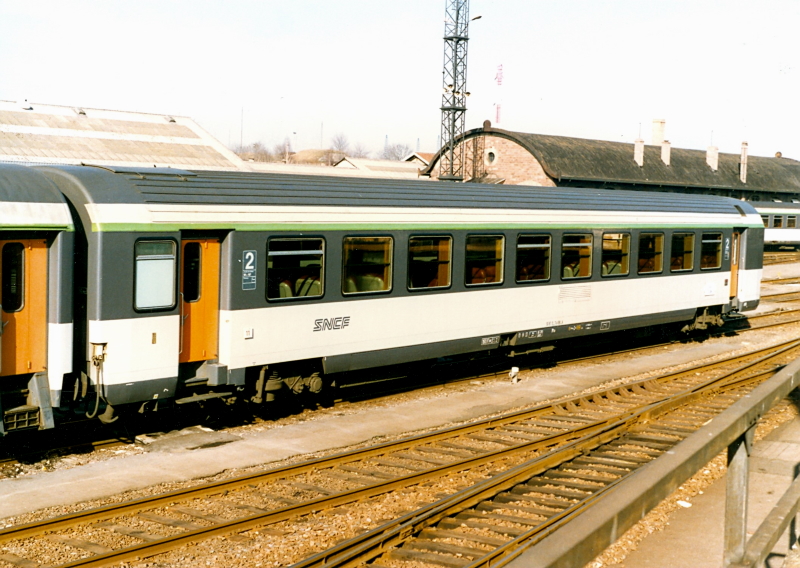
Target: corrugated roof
column 599, row 160
column 161, row 186
column 38, row 133
column 578, row 160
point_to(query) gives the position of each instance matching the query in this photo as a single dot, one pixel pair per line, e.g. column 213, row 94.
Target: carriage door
column 199, row 299
column 735, row 253
column 23, row 315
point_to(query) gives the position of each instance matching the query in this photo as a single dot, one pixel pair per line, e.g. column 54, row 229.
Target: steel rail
column 311, row 506
column 108, row 511
column 368, row 546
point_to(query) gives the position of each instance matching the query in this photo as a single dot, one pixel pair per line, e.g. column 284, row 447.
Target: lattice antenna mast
column 454, row 99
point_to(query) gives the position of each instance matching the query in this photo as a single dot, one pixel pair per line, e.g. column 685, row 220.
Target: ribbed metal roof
column 576, row 160
column 167, row 186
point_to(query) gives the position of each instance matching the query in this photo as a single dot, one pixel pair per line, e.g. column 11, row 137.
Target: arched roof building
column 493, row 155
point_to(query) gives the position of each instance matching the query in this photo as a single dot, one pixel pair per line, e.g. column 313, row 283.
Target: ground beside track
column 197, row 454
column 687, row 528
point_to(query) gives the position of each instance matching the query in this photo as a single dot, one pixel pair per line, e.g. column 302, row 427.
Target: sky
column 719, row 72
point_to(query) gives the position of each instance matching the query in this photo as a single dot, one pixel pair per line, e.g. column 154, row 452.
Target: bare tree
column 359, row 152
column 260, row 152
column 340, row 144
column 396, row 152
column 283, row 151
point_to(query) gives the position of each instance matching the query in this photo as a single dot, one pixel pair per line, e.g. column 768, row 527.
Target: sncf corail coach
column 153, row 285
column 781, row 229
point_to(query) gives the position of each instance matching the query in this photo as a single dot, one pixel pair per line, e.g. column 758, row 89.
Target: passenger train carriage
column 781, row 228
column 192, row 285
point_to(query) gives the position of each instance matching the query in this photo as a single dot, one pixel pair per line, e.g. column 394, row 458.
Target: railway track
column 156, row 525
column 781, row 257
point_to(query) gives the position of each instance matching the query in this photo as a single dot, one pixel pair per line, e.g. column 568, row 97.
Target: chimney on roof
column 659, row 125
column 743, row 163
column 712, row 158
column 638, row 152
column 666, row 148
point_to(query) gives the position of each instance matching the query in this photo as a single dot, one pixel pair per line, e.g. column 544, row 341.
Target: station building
column 493, row 155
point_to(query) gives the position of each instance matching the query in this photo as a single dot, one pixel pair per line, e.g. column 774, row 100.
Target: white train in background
column 781, row 226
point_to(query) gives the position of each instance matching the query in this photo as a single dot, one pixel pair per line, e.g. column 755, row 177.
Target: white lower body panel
column 136, row 349
column 287, row 332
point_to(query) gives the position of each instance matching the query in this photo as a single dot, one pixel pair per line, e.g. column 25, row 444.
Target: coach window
column 429, row 262
column 533, row 258
column 616, row 253
column 295, row 268
column 13, row 263
column 576, row 256
column 682, row 255
column 791, row 221
column 484, row 259
column 777, row 221
column 367, row 265
column 711, row 251
column 155, row 275
column 765, row 220
column 651, row 249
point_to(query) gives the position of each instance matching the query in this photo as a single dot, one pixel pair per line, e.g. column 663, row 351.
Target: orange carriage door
column 23, row 315
column 199, row 299
column 735, row 263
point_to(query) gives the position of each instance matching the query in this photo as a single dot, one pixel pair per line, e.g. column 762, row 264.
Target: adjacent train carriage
column 194, row 285
column 781, row 229
column 36, row 249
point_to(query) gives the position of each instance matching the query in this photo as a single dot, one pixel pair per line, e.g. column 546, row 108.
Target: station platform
column 694, row 536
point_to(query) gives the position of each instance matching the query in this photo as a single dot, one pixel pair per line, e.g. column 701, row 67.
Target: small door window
column 155, row 275
column 13, row 267
column 429, row 262
column 191, row 272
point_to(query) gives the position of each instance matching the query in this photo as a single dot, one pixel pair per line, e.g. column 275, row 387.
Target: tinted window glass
column 13, row 281
column 711, row 251
column 191, row 272
column 777, row 221
column 484, row 259
column 576, row 256
column 367, row 265
column 682, row 255
column 616, row 253
column 295, row 268
column 791, row 221
column 429, row 262
column 533, row 257
column 651, row 248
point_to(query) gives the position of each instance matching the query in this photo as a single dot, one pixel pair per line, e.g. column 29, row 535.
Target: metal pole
column 736, row 497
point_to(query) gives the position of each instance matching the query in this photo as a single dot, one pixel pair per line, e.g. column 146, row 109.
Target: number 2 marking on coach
column 249, row 270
